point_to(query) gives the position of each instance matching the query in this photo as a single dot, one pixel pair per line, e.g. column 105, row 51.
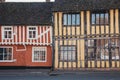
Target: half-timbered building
column 25, row 34
column 86, row 34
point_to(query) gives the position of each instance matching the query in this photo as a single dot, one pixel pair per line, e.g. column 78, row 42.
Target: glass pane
column 97, row 19
column 73, row 19
column 61, row 55
column 78, row 19
column 30, row 34
column 1, row 53
column 104, row 54
column 90, row 43
column 106, row 18
column 34, row 34
column 93, row 18
column 73, row 55
column 65, row 19
column 65, row 55
column 1, row 50
column 5, row 34
column 90, row 53
column 69, row 19
column 10, row 34
column 102, row 21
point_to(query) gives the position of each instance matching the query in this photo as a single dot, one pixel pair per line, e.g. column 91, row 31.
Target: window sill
column 8, row 60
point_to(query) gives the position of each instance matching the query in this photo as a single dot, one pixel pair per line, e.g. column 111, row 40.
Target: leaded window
column 39, row 54
column 103, row 49
column 72, row 19
column 5, row 54
column 100, row 18
column 67, row 53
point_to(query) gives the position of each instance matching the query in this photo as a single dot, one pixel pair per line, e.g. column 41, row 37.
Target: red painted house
column 25, row 34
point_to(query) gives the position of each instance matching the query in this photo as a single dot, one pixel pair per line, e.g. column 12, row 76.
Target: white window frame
column 31, row 30
column 3, row 30
column 12, row 60
column 39, row 49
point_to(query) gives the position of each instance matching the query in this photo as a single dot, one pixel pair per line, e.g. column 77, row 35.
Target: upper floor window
column 71, row 19
column 100, row 18
column 6, row 54
column 7, row 32
column 32, row 32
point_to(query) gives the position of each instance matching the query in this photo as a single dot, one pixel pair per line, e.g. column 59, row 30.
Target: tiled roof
column 40, row 13
column 26, row 13
column 78, row 5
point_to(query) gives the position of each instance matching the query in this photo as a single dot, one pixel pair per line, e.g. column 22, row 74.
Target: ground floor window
column 103, row 49
column 6, row 54
column 67, row 53
column 39, row 54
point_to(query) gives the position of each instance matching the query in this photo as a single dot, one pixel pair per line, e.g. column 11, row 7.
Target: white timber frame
column 20, row 35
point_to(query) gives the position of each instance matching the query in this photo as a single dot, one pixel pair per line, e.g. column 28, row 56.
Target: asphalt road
column 44, row 75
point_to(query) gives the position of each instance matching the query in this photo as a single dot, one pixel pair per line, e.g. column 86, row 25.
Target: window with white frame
column 7, row 32
column 6, row 54
column 32, row 32
column 39, row 54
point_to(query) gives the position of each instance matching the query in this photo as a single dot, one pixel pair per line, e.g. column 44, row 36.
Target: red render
column 24, row 58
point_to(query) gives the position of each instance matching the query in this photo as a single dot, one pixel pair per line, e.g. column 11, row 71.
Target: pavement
column 24, row 72
column 46, row 74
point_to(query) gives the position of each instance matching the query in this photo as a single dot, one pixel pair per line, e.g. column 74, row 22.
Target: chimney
column 47, row 0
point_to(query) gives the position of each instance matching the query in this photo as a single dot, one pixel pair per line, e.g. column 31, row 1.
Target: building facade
column 65, row 34
column 25, row 35
column 86, row 34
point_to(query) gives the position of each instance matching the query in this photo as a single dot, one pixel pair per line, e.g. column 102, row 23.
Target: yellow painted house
column 86, row 34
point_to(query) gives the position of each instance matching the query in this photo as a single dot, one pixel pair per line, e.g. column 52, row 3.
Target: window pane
column 97, row 18
column 102, row 21
column 65, row 19
column 91, row 43
column 77, row 19
column 73, row 19
column 69, row 19
column 93, row 18
column 5, row 34
column 34, row 34
column 106, row 18
column 9, row 34
column 1, row 53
